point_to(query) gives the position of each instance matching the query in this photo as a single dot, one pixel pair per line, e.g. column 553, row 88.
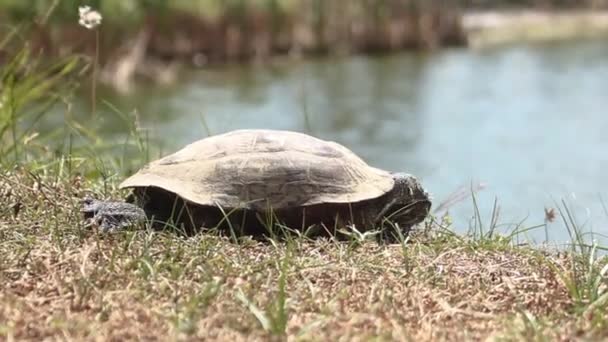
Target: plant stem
column 94, row 75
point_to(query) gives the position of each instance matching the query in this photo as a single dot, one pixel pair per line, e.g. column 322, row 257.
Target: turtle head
column 408, row 188
column 408, row 203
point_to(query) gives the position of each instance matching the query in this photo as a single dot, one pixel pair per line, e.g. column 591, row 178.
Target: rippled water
column 531, row 122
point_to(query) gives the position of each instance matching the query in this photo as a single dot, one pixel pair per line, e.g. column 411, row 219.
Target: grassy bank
column 59, row 279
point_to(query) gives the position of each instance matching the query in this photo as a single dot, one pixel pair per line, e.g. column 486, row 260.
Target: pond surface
column 530, row 122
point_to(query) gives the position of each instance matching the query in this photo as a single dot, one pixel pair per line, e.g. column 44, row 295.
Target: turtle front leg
column 111, row 216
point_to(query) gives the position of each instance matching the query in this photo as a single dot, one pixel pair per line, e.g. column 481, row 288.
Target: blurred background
column 503, row 98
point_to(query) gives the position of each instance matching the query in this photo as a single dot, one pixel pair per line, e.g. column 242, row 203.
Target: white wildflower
column 89, row 18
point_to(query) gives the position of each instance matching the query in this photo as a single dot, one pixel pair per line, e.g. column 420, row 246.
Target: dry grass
column 61, row 281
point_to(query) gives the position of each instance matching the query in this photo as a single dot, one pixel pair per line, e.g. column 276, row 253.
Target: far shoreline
column 475, row 29
column 157, row 48
column 495, row 28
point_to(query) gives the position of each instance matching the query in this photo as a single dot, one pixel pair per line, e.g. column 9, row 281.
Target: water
column 528, row 121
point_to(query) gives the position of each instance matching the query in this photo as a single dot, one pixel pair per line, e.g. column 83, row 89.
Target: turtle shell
column 261, row 169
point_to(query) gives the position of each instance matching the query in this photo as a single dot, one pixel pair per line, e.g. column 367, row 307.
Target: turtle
column 245, row 180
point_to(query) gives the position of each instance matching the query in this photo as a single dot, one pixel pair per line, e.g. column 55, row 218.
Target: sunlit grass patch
column 158, row 285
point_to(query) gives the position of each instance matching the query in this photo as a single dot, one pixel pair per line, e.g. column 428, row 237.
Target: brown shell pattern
column 260, row 169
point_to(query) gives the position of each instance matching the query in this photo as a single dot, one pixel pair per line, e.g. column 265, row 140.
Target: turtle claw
column 103, row 223
column 108, row 224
